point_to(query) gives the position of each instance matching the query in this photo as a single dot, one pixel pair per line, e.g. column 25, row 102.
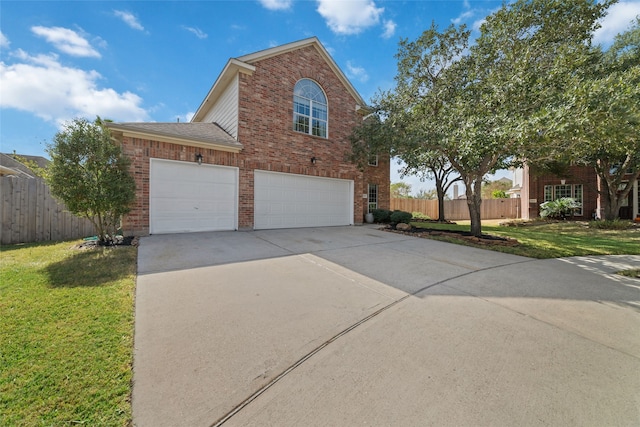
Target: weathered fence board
column 456, row 210
column 29, row 213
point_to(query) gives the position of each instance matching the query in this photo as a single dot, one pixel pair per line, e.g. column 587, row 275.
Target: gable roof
column 204, row 135
column 244, row 64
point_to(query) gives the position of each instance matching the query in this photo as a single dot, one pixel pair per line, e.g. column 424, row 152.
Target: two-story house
column 267, row 148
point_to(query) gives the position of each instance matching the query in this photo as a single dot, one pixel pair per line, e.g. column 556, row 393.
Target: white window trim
column 310, row 116
column 369, row 203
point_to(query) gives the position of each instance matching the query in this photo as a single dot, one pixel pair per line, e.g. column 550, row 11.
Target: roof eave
column 163, row 137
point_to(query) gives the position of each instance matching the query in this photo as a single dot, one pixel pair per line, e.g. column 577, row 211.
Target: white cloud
column 67, row 41
column 349, row 17
column 197, row 31
column 477, row 24
column 56, row 93
column 617, row 21
column 389, row 29
column 4, row 41
column 276, row 4
column 129, row 18
column 463, row 17
column 355, row 72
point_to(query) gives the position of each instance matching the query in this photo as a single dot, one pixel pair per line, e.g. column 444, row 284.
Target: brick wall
column 266, row 128
column 575, row 175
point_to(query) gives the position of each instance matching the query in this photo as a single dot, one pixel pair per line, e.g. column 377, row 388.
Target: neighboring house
column 580, row 183
column 12, row 167
column 267, row 148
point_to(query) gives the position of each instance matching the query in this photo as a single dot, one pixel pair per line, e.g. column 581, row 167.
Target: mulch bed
column 119, row 241
column 486, row 239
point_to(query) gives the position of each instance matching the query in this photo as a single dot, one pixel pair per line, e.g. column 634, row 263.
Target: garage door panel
column 288, row 200
column 186, row 197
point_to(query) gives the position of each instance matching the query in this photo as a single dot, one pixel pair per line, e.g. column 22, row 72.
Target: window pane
column 577, row 195
column 373, row 197
column 319, row 112
column 563, row 191
column 319, row 128
column 548, row 193
column 301, row 123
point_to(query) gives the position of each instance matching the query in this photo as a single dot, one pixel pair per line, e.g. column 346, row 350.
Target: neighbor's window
column 373, row 160
column 373, row 197
column 577, row 196
column 554, row 192
column 562, row 191
column 310, row 112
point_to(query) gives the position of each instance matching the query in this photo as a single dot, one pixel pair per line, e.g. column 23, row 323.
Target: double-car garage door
column 285, row 200
column 186, row 197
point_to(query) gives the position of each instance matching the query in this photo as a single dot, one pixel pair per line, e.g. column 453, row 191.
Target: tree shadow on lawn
column 93, row 267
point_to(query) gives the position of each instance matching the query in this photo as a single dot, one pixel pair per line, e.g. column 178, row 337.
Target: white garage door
column 187, row 197
column 288, row 201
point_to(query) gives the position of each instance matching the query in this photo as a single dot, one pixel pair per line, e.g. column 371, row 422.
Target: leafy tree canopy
column 90, row 174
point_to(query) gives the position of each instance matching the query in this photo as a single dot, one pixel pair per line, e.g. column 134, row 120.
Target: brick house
column 267, row 148
column 579, row 182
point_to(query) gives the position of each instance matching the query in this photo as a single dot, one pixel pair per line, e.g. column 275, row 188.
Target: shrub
column 381, row 215
column 400, row 216
column 558, row 209
column 420, row 215
column 615, row 224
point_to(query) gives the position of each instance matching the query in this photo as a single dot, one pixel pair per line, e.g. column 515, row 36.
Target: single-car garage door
column 187, row 197
column 285, row 200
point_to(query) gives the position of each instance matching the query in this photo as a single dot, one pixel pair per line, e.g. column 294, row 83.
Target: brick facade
column 576, row 175
column 265, row 130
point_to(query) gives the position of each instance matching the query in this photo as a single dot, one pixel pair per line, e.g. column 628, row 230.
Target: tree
column 496, row 189
column 597, row 121
column 90, row 174
column 400, row 190
column 31, row 164
column 431, row 194
column 474, row 105
column 525, row 55
column 405, row 122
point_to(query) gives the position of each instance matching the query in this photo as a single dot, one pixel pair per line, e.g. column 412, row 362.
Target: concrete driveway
column 355, row 326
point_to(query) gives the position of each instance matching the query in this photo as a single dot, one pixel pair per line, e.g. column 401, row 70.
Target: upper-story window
column 310, row 113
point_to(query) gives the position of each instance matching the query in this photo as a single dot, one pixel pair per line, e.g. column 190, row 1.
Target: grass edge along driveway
column 553, row 240
column 66, row 334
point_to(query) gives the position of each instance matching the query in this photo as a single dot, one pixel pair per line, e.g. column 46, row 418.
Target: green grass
column 66, row 335
column 555, row 240
column 635, row 273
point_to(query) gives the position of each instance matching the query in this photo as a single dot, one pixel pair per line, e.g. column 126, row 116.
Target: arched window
column 310, row 113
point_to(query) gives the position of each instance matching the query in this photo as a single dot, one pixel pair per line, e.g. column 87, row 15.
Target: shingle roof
column 210, row 133
column 10, row 166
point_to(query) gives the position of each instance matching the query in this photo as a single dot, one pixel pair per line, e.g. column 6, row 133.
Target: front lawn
column 554, row 240
column 66, row 335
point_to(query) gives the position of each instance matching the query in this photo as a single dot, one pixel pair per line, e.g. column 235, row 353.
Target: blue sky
column 156, row 60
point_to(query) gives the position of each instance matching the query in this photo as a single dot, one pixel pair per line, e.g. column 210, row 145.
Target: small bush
column 559, row 209
column 400, row 216
column 420, row 215
column 616, row 224
column 381, row 216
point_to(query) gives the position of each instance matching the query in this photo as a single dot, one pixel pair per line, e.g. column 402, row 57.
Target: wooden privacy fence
column 456, row 210
column 29, row 213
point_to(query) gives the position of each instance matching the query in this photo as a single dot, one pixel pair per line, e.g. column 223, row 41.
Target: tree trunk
column 440, row 191
column 474, row 201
